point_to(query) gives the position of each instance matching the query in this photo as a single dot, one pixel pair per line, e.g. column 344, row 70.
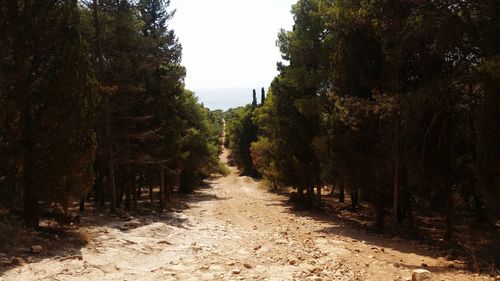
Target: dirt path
column 235, row 230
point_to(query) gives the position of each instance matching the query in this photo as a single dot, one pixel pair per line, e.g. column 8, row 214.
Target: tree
column 52, row 91
column 254, row 101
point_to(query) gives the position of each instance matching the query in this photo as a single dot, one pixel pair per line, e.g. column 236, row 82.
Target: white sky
column 230, row 43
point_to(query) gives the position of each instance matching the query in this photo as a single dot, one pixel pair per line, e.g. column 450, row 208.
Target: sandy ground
column 236, row 230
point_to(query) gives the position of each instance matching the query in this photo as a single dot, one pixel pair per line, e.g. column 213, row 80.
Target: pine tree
column 55, row 104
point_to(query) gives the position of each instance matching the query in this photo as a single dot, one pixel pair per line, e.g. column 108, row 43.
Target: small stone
column 424, row 265
column 230, row 263
column 257, row 248
column 36, row 249
column 421, row 275
column 292, row 262
column 247, row 265
column 236, row 271
column 205, row 267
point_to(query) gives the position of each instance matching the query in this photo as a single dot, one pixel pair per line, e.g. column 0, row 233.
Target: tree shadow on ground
column 341, row 220
column 66, row 241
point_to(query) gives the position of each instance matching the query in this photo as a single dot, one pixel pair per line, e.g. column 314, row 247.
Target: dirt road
column 235, row 230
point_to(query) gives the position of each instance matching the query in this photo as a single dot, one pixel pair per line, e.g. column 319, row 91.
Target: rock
column 292, row 262
column 421, row 275
column 247, row 265
column 205, row 267
column 424, row 265
column 257, row 248
column 123, row 228
column 236, row 271
column 230, row 263
column 36, row 249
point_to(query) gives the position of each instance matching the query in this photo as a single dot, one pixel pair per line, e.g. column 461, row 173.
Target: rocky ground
column 233, row 229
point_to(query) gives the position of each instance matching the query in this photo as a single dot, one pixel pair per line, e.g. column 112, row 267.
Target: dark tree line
column 93, row 100
column 395, row 102
column 241, row 132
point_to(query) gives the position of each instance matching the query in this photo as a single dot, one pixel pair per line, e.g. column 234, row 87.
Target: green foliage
column 240, row 133
column 49, row 90
column 54, row 88
column 394, row 98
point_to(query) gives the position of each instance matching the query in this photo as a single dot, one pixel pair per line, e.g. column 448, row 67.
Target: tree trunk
column 354, row 199
column 409, row 212
column 341, row 192
column 333, row 190
column 162, row 189
column 30, row 208
column 168, row 187
column 119, row 187
column 82, row 205
column 128, row 187
column 111, row 164
column 318, row 195
column 300, row 193
column 98, row 184
column 30, row 213
column 449, row 212
column 102, row 200
column 135, row 192
column 396, row 207
column 138, row 190
column 30, row 200
column 128, row 168
column 380, row 214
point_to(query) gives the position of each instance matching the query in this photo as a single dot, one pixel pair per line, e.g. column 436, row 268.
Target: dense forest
column 386, row 111
column 94, row 106
column 394, row 102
